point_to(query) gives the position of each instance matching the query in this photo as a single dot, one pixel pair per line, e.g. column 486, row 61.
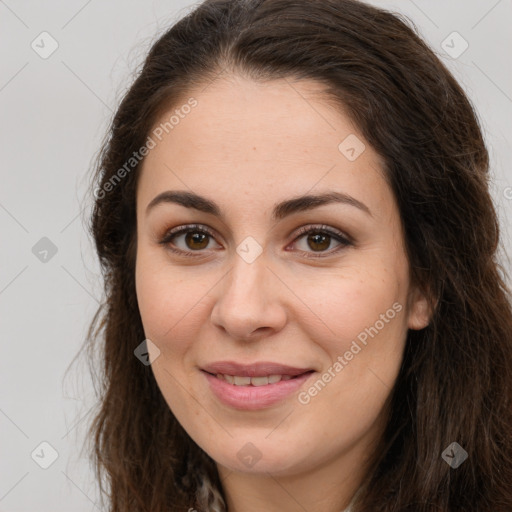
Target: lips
column 250, row 397
column 254, row 386
column 259, row 369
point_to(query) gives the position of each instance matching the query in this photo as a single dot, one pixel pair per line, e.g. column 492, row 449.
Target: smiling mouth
column 251, row 393
column 237, row 380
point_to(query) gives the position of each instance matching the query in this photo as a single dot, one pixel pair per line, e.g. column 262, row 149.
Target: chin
column 248, row 459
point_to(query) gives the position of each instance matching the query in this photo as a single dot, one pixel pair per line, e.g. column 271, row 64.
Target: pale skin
column 247, row 146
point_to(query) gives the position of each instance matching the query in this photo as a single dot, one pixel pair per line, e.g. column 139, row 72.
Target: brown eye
column 196, row 240
column 318, row 239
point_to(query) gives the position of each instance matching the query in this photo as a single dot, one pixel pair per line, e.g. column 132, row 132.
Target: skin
column 247, row 146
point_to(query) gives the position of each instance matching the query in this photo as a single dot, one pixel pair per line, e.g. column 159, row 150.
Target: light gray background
column 54, row 112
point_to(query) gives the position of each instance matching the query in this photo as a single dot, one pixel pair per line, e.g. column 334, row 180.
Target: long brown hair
column 455, row 383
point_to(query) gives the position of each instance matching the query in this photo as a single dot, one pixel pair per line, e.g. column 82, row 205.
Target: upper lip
column 259, row 369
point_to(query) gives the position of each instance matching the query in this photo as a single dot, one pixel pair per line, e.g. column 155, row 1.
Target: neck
column 330, row 488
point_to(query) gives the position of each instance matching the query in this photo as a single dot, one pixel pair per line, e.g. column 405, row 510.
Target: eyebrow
column 279, row 211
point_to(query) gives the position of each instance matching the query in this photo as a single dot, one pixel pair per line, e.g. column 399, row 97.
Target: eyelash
column 340, row 237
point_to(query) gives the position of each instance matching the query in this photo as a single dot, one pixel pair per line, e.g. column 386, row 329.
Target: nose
column 249, row 303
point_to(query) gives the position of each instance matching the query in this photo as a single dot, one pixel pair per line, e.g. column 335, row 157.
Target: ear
column 419, row 309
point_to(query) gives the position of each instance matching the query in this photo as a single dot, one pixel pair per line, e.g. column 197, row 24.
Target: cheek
column 171, row 300
column 157, row 292
column 343, row 308
column 363, row 336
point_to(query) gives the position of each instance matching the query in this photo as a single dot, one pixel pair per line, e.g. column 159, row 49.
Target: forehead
column 256, row 139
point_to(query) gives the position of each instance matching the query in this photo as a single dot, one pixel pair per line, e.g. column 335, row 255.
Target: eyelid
column 341, row 237
column 182, row 229
column 337, row 233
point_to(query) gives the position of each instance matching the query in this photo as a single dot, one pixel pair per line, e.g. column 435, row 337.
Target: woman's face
column 243, row 286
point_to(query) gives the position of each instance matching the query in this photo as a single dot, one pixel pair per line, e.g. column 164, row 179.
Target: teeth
column 255, row 381
column 259, row 381
column 229, row 378
column 242, row 381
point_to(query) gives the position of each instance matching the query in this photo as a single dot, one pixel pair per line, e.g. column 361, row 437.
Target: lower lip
column 251, row 397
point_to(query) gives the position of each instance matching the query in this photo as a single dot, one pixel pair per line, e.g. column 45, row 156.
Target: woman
column 303, row 308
